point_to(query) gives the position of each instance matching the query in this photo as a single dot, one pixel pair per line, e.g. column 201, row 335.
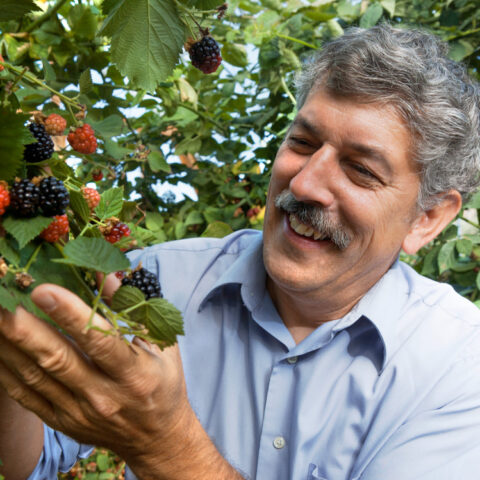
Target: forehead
column 370, row 126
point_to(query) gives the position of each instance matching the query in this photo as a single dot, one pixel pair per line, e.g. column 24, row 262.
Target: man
column 310, row 352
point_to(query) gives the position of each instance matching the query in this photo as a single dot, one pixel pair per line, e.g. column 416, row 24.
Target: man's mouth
column 303, row 229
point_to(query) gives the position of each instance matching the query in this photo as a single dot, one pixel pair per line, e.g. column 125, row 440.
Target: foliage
column 161, row 124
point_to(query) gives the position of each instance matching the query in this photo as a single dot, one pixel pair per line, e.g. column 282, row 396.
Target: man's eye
column 364, row 173
column 298, row 142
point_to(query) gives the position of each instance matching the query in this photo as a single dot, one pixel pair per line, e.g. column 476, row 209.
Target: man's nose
column 317, row 180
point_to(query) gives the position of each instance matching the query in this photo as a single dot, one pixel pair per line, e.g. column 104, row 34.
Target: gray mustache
column 315, row 217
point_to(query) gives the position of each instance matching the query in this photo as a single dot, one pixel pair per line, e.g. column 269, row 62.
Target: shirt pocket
column 314, row 473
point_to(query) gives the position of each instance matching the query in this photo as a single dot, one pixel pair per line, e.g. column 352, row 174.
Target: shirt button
column 292, row 360
column 279, row 442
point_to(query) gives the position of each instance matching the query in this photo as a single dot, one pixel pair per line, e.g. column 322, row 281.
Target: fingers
column 109, row 352
column 112, row 283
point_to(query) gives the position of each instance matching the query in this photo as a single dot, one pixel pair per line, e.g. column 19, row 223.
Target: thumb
column 112, row 284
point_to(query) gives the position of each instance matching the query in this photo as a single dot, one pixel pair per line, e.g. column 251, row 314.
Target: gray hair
column 410, row 70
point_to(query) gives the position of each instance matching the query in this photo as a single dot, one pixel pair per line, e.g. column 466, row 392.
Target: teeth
column 303, row 229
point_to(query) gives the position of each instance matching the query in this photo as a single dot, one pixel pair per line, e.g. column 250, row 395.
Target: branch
column 44, row 17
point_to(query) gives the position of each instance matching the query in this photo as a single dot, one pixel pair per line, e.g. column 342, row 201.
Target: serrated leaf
column 163, row 320
column 7, row 300
column 108, row 127
column 16, row 9
column 111, row 202
column 126, row 297
column 85, row 81
column 115, row 150
column 217, row 230
column 147, row 39
column 25, row 229
column 23, row 299
column 94, row 254
column 154, row 221
column 157, row 162
column 48, row 72
column 79, row 205
column 7, row 252
column 61, row 170
column 446, row 256
column 13, row 135
column 371, row 16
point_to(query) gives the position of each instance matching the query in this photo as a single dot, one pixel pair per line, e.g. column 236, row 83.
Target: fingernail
column 46, row 302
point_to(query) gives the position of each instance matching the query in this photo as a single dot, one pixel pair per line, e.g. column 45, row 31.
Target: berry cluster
column 144, row 280
column 82, row 139
column 55, row 124
column 117, row 231
column 4, row 197
column 205, row 54
column 40, row 150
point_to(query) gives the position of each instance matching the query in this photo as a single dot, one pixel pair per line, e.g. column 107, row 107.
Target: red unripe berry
column 118, row 231
column 56, row 229
column 1, row 66
column 97, row 175
column 91, row 196
column 120, row 275
column 4, row 198
column 253, row 211
column 55, row 124
column 82, row 139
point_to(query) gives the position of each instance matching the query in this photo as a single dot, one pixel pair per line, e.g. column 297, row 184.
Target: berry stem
column 288, row 92
column 96, row 301
column 32, row 258
column 297, row 40
column 465, row 219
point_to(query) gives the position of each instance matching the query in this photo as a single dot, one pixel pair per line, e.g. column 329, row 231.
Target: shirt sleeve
column 441, row 443
column 60, row 453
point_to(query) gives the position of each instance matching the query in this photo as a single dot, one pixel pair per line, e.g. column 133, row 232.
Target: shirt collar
column 381, row 305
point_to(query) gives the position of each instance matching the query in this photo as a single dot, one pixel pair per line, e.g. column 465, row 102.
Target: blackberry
column 205, row 54
column 144, row 280
column 42, row 149
column 54, row 197
column 24, row 198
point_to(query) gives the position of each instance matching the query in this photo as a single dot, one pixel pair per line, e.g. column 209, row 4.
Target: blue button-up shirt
column 391, row 391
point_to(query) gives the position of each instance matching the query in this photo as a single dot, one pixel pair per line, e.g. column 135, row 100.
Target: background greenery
column 162, row 123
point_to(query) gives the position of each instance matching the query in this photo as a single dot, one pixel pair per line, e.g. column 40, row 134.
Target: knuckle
column 19, row 394
column 103, row 406
column 32, row 375
column 57, row 361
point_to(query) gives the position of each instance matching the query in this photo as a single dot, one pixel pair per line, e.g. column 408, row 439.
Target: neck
column 303, row 313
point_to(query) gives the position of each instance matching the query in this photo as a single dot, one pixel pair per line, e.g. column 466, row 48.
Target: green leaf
column 110, row 126
column 371, row 16
column 111, row 203
column 7, row 252
column 217, row 230
column 163, row 320
column 85, row 81
column 115, row 150
column 478, row 280
column 464, row 246
column 60, row 169
column 48, row 72
column 194, row 218
column 446, row 256
column 13, row 135
column 157, row 162
column 460, row 49
column 94, row 254
column 235, row 54
column 79, row 205
column 16, row 9
column 8, row 301
column 25, row 229
column 389, row 6
column 103, row 462
column 207, row 4
column 154, row 221
column 147, row 39
column 474, row 201
column 126, row 297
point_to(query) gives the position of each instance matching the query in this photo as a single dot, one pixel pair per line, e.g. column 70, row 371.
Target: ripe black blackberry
column 54, row 197
column 42, row 149
column 24, row 198
column 144, row 280
column 205, row 54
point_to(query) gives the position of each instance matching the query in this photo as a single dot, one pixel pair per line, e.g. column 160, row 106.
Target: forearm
column 21, row 439
column 189, row 454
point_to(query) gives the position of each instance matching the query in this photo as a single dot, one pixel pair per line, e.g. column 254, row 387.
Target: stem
column 297, row 40
column 205, row 117
column 44, row 17
column 288, row 92
column 32, row 258
column 476, row 225
column 33, row 79
column 96, row 301
column 134, row 307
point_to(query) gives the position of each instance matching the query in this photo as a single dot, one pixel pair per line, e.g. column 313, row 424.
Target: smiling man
column 310, row 352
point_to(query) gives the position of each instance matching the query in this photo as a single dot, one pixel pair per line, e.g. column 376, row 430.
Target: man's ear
column 429, row 223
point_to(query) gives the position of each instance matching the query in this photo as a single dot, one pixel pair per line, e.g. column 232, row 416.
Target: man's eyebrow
column 302, row 122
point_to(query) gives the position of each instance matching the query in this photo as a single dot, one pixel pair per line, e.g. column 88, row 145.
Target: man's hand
column 98, row 389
